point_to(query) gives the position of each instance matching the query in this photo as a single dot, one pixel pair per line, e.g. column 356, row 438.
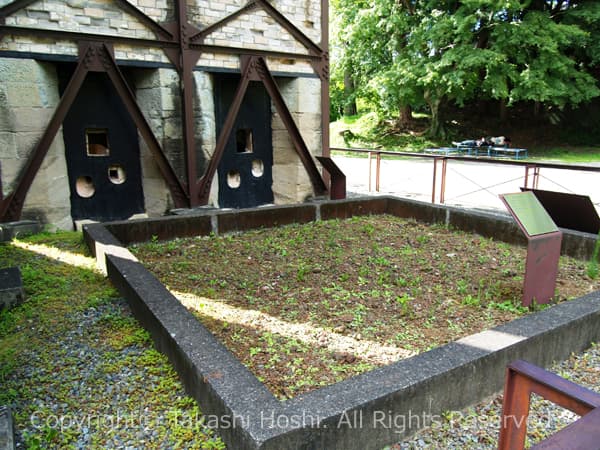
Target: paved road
column 468, row 184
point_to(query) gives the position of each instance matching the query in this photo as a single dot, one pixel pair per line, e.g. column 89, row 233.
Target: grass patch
column 307, row 305
column 566, row 154
column 369, row 131
column 592, row 268
column 73, row 360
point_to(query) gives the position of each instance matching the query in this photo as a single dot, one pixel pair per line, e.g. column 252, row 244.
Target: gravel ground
column 107, row 404
column 478, row 427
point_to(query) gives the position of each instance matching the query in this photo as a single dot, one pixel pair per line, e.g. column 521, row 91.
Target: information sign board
column 531, row 216
column 543, row 246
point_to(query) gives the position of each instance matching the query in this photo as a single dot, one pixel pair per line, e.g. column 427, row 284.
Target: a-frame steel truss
column 183, row 44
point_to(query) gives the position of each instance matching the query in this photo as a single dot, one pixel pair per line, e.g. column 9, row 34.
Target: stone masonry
column 28, row 96
column 29, row 91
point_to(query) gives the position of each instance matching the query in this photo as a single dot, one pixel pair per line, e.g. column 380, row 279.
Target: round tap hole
column 234, row 179
column 116, row 174
column 84, row 185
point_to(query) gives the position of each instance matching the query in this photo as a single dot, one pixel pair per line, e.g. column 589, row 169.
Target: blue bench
column 516, row 153
column 474, row 149
column 442, row 150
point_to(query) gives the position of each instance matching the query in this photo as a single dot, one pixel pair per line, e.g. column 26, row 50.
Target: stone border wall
column 365, row 412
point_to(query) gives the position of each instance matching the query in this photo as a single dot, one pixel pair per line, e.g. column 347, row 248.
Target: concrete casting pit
column 370, row 410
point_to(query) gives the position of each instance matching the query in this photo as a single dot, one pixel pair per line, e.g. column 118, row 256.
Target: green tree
column 409, row 53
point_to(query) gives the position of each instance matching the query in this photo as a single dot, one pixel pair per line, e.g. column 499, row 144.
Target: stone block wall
column 154, row 98
column 29, row 91
column 89, row 16
column 28, row 97
column 303, row 96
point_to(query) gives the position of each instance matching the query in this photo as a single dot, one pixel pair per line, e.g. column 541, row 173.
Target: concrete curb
column 367, row 411
column 12, row 292
column 7, row 433
column 11, row 230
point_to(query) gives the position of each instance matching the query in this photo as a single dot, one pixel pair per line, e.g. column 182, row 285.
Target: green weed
column 592, row 268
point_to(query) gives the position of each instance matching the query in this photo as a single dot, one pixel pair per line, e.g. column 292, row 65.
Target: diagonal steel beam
column 206, row 181
column 176, row 187
column 289, row 26
column 255, row 68
column 17, row 5
column 92, row 57
column 271, row 11
column 12, row 205
column 299, row 145
column 13, row 7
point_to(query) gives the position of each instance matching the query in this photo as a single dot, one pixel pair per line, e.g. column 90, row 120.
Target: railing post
column 443, row 186
column 434, row 180
column 370, row 169
column 535, row 179
column 515, row 410
column 378, row 172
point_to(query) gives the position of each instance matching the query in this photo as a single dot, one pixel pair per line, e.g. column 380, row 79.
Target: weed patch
column 374, row 283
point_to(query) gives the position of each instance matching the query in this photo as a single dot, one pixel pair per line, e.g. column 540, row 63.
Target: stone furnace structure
column 115, row 108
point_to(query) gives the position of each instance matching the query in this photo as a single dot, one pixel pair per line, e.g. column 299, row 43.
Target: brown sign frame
column 544, row 241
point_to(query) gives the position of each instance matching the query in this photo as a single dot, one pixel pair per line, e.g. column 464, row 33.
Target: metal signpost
column 543, row 246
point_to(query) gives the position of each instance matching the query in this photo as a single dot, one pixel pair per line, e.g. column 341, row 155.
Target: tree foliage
column 433, row 53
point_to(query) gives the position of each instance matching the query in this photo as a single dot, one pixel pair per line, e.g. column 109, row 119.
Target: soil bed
column 305, row 306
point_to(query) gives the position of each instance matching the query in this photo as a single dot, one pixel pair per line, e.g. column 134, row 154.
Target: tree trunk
column 405, row 117
column 349, row 87
column 503, row 110
column 537, row 109
column 436, row 128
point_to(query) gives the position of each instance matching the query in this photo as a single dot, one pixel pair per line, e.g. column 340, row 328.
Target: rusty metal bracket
column 523, row 379
column 337, row 190
column 321, row 67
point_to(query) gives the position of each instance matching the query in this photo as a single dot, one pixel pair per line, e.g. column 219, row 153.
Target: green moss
column 38, row 370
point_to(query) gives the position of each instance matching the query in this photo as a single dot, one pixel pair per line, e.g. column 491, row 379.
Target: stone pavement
column 468, row 184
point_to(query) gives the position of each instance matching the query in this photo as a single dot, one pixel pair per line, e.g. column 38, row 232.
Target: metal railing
column 531, row 176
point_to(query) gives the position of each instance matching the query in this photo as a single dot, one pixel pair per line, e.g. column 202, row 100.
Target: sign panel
column 531, row 216
column 543, row 246
column 572, row 211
